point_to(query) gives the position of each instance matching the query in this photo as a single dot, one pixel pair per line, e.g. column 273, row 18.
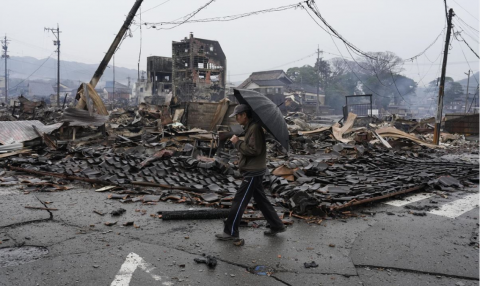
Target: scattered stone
column 118, row 212
column 310, row 265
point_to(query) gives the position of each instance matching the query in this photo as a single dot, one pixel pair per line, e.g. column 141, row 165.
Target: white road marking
column 125, row 273
column 457, row 207
column 409, row 199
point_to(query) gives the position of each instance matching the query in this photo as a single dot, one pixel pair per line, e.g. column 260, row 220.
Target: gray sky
column 255, row 43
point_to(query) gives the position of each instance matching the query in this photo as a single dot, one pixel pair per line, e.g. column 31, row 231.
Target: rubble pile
column 148, row 156
column 338, row 183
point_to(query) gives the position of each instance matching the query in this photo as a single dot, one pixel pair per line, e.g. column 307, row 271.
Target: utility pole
column 318, row 80
column 113, row 98
column 6, row 56
column 438, row 119
column 56, row 32
column 466, row 97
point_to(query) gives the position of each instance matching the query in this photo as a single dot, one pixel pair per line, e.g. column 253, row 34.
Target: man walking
column 252, row 165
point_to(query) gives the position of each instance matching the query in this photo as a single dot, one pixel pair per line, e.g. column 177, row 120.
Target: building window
column 141, row 89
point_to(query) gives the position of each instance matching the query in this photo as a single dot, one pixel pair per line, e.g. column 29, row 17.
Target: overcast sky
column 260, row 42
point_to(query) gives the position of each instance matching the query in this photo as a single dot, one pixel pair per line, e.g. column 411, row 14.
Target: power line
column 421, row 79
column 429, row 46
column 303, row 58
column 226, row 18
column 463, row 40
column 312, row 5
column 466, row 32
column 152, row 8
column 465, row 10
column 187, row 17
column 465, row 56
column 353, row 71
column 34, row 71
column 466, row 24
column 396, row 87
column 474, row 96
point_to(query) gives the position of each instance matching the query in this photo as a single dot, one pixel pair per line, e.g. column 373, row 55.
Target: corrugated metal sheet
column 21, row 131
column 78, row 117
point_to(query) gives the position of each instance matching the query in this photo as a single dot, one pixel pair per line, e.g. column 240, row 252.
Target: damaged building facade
column 158, row 83
column 199, row 70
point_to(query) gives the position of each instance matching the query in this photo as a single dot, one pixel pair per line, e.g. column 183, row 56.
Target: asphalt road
column 384, row 245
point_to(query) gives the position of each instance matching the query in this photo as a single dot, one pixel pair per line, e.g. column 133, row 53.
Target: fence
column 361, row 109
column 461, row 123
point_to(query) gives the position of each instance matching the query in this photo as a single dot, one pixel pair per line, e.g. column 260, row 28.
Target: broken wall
column 199, row 70
column 201, row 114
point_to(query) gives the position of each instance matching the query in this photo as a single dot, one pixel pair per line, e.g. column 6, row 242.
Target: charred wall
column 159, row 74
column 199, row 70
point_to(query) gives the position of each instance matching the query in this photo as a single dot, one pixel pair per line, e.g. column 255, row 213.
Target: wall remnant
column 199, row 70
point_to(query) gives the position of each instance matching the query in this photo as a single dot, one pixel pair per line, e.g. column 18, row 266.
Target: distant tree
column 305, row 74
column 453, row 91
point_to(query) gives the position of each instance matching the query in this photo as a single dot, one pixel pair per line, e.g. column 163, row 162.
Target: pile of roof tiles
column 337, row 183
column 315, row 185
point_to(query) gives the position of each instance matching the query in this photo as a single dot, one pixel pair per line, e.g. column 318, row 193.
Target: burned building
column 159, row 75
column 158, row 83
column 199, row 70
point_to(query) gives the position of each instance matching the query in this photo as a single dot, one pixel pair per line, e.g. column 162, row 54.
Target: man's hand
column 234, row 139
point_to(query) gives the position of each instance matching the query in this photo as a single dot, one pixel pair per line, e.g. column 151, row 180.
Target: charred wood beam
column 355, row 202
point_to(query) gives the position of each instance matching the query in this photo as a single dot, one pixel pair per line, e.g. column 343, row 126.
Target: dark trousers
column 251, row 186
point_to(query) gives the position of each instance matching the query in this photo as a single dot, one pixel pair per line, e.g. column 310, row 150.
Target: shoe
column 272, row 232
column 225, row 236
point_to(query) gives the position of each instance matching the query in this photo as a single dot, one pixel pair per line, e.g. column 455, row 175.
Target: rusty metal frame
column 357, row 96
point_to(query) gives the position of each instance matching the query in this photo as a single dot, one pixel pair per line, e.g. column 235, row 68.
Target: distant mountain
column 473, row 83
column 22, row 67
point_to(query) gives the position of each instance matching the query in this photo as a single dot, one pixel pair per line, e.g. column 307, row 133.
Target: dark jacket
column 253, row 151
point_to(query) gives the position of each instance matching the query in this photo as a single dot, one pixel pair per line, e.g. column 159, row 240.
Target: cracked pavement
column 75, row 247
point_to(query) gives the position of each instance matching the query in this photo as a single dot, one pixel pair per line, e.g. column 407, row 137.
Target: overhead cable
column 226, row 18
column 33, row 72
column 187, row 17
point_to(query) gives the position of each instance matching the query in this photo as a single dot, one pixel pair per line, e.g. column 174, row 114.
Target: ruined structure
column 158, row 83
column 159, row 72
column 199, row 70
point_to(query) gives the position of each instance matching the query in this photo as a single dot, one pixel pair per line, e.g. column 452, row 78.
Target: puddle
column 13, row 256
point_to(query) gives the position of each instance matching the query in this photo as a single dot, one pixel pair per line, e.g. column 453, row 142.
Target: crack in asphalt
column 45, row 205
column 419, row 272
column 196, row 254
column 280, row 280
column 17, row 224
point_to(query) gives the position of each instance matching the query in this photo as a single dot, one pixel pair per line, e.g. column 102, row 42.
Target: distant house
column 119, row 91
column 272, row 84
column 37, row 90
column 267, row 82
column 456, row 106
column 306, row 93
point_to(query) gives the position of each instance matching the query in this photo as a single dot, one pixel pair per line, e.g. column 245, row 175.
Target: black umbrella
column 266, row 112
